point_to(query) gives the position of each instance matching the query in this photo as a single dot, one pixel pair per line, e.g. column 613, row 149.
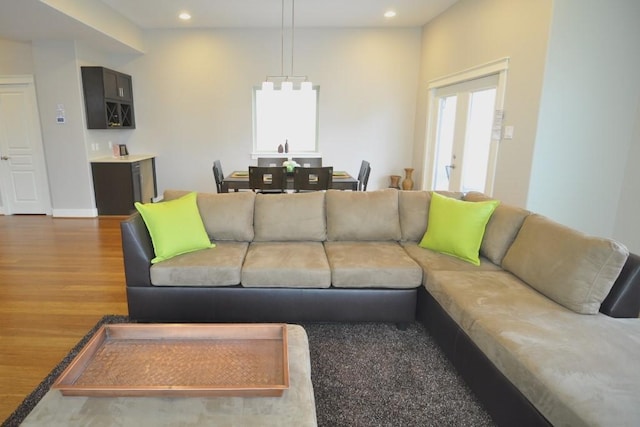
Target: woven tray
column 180, row 360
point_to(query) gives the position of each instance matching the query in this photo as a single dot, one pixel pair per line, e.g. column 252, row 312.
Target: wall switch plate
column 508, row 132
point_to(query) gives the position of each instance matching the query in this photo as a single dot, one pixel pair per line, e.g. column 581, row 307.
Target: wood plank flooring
column 58, row 277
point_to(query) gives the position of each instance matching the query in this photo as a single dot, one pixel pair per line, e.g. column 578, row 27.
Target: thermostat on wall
column 60, row 114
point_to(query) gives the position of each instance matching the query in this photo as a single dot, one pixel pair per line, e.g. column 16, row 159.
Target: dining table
column 239, row 180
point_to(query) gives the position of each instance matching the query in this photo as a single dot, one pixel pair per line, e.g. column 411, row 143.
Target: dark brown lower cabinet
column 119, row 183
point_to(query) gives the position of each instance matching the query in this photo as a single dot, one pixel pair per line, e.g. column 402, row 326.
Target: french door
column 464, row 133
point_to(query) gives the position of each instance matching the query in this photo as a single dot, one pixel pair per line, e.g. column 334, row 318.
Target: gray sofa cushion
column 290, row 217
column 219, row 266
column 413, row 209
column 363, row 215
column 569, row 267
column 286, row 264
column 502, row 228
column 226, row 216
column 576, row 370
column 371, row 265
column 431, row 261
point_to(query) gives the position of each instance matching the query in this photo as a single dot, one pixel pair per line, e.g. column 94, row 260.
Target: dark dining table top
column 239, row 180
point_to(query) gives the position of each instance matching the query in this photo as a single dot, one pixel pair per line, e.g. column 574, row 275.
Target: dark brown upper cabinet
column 108, row 98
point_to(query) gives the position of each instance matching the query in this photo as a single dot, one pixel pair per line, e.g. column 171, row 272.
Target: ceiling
column 29, row 20
column 153, row 14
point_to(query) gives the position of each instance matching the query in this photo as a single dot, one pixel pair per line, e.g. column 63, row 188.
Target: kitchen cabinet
column 108, row 98
column 120, row 182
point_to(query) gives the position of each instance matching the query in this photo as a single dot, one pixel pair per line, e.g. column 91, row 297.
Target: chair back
column 218, row 175
column 312, row 179
column 271, row 161
column 267, row 179
column 308, row 162
column 363, row 175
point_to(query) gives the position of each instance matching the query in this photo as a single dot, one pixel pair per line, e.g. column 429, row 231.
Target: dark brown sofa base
column 505, row 403
column 238, row 304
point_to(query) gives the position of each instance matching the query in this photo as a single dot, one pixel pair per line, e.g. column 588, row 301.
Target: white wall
column 587, row 130
column 193, row 98
column 475, row 32
column 15, row 57
column 58, row 82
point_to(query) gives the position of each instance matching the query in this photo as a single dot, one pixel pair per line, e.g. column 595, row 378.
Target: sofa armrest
column 137, row 251
column 624, row 298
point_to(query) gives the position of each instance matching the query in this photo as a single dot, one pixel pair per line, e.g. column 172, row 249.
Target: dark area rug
column 374, row 374
column 371, row 374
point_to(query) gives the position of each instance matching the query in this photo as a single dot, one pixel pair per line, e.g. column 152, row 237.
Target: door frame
column 28, row 81
column 499, row 67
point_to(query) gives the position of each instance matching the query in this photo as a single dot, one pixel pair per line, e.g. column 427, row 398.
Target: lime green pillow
column 456, row 227
column 175, row 227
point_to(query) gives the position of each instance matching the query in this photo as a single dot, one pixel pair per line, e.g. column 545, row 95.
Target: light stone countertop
column 131, row 158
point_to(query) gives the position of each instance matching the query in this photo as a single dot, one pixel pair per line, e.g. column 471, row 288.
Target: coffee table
column 296, row 406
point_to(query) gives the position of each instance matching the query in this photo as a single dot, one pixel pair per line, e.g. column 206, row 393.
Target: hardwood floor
column 58, row 277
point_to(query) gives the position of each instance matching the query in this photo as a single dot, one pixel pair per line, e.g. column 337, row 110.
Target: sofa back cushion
column 290, row 217
column 569, row 267
column 414, row 212
column 501, row 230
column 363, row 215
column 226, row 216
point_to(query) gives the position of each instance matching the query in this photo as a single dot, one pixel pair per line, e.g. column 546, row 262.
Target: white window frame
column 271, row 149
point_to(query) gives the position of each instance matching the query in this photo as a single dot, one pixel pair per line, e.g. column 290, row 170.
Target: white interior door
column 23, row 179
column 464, row 128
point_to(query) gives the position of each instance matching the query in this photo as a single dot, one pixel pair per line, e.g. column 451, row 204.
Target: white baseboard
column 75, row 213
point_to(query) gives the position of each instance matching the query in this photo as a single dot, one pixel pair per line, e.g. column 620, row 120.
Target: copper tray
column 180, row 360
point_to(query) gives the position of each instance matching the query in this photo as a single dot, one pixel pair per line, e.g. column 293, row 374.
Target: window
column 281, row 116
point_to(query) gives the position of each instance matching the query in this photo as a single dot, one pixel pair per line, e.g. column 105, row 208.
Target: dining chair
column 268, row 179
column 271, row 161
column 218, row 175
column 308, row 162
column 363, row 175
column 312, row 179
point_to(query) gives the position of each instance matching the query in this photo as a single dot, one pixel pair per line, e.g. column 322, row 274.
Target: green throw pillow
column 456, row 227
column 175, row 227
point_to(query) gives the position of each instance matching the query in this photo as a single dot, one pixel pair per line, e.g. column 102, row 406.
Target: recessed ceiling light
column 185, row 16
column 389, row 14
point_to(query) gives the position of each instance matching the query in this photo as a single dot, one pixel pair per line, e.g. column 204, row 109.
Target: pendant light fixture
column 287, row 80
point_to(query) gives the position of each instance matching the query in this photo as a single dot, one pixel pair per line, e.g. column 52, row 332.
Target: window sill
column 275, row 154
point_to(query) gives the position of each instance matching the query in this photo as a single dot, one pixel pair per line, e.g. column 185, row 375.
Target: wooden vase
column 395, row 181
column 407, row 183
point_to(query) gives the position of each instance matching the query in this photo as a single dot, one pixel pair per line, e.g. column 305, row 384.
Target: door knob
column 4, row 158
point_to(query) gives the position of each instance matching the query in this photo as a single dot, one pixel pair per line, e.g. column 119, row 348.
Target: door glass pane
column 478, row 140
column 444, row 141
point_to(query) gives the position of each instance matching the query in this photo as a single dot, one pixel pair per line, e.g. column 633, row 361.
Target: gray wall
column 584, row 172
column 58, row 82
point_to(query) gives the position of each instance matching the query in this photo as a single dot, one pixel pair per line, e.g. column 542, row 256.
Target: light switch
column 508, row 132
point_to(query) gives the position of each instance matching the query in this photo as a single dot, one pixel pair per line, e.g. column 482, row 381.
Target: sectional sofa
column 544, row 329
